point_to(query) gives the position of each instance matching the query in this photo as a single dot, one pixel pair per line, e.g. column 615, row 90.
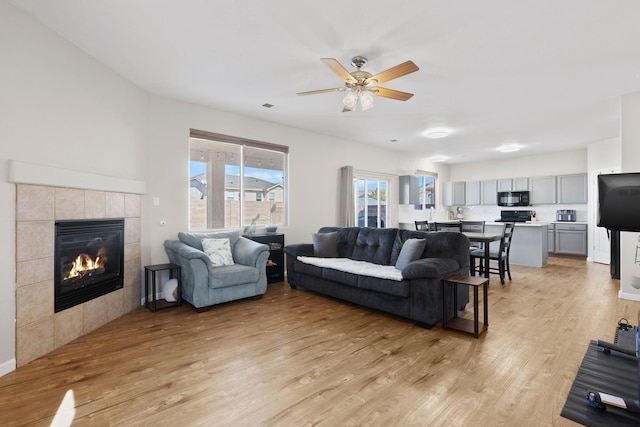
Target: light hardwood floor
column 297, row 359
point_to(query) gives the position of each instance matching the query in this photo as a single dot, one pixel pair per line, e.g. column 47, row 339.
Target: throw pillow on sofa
column 325, row 245
column 411, row 250
column 218, row 251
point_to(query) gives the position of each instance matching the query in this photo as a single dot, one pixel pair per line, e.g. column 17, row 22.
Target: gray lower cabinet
column 571, row 239
column 551, row 238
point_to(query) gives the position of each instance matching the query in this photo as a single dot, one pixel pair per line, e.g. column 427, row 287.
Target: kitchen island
column 529, row 243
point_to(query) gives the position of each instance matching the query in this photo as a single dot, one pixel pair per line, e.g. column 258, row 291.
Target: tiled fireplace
column 39, row 328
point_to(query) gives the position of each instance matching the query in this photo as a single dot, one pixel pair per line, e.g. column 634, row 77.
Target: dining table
column 485, row 239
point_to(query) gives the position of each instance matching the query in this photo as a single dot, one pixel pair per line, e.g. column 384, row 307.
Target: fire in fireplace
column 89, row 260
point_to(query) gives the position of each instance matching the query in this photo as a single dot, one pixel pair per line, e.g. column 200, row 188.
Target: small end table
column 151, row 301
column 457, row 323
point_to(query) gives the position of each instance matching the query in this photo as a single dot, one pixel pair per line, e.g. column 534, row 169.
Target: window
column 371, row 202
column 232, row 181
column 427, row 192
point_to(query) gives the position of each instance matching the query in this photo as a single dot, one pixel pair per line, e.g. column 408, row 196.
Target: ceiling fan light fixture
column 437, row 133
column 438, row 158
column 366, row 101
column 350, row 100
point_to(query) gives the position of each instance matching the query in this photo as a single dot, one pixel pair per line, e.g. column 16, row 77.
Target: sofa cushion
column 347, row 237
column 195, row 239
column 374, row 245
column 325, row 245
column 411, row 250
column 435, row 268
column 391, row 287
column 218, row 251
column 340, row 276
column 231, row 275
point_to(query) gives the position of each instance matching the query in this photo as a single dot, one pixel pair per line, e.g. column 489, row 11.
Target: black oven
column 513, row 198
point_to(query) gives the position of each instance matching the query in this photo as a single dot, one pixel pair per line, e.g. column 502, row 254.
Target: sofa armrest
column 430, row 268
column 299, row 249
column 247, row 252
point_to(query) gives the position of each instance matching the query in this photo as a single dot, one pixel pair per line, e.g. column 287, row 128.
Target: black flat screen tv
column 619, row 201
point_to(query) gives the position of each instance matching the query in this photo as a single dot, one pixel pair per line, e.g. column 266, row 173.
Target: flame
column 84, row 263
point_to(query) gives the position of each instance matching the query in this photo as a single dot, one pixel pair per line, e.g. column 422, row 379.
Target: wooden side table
column 458, row 323
column 151, row 301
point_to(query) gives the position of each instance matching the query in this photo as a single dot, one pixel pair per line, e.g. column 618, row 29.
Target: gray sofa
column 418, row 296
column 204, row 285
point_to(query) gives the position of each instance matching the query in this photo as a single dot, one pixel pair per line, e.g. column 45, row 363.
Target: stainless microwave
column 513, row 198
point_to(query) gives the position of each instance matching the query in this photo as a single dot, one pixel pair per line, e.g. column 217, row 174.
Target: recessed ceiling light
column 438, row 158
column 509, row 148
column 437, row 133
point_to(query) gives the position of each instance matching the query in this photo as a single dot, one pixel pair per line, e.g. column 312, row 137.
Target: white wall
column 559, row 163
column 61, row 108
column 630, row 154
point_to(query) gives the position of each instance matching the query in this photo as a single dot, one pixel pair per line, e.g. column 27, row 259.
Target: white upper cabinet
column 489, row 190
column 473, row 193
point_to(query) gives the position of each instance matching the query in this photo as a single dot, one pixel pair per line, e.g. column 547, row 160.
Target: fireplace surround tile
column 34, row 203
column 69, row 203
column 115, row 205
column 35, row 240
column 95, row 204
column 34, row 340
column 69, row 325
column 132, row 206
column 34, row 302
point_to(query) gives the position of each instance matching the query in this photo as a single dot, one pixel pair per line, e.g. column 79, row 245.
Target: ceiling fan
column 361, row 85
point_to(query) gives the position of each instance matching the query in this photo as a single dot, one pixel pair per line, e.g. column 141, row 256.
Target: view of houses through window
column 231, row 184
column 371, row 202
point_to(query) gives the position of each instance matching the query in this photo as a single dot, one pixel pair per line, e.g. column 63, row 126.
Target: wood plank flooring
column 295, row 358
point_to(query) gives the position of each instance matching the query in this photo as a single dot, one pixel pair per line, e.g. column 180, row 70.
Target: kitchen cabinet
column 520, row 184
column 489, row 192
column 505, row 185
column 572, row 188
column 551, row 238
column 472, row 196
column 454, row 193
column 543, row 190
column 571, row 239
column 409, row 190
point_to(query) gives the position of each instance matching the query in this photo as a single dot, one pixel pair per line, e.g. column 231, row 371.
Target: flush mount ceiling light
column 438, row 158
column 436, row 133
column 509, row 148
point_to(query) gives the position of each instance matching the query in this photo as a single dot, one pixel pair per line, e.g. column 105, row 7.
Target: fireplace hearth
column 89, row 260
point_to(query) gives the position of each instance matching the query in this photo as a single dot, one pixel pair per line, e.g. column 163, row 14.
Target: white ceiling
column 545, row 74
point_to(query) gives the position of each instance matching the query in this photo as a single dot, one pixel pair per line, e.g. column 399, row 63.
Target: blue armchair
column 204, row 285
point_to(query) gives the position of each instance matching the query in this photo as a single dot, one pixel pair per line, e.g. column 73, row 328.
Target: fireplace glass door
column 89, row 260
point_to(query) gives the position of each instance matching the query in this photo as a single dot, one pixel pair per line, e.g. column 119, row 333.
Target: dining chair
column 473, row 227
column 501, row 256
column 422, row 225
column 447, row 226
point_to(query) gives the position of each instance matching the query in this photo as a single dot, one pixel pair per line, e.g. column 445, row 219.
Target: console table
column 275, row 264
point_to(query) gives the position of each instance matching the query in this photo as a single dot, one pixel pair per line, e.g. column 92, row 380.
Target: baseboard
column 629, row 296
column 8, row 366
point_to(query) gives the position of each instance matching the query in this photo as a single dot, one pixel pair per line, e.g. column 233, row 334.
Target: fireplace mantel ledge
column 26, row 173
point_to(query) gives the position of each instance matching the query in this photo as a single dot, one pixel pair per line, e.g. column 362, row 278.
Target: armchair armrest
column 247, row 252
column 299, row 249
column 430, row 268
column 185, row 251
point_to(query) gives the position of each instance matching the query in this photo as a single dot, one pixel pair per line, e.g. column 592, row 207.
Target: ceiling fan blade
column 394, row 72
column 337, row 68
column 313, row 92
column 390, row 93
